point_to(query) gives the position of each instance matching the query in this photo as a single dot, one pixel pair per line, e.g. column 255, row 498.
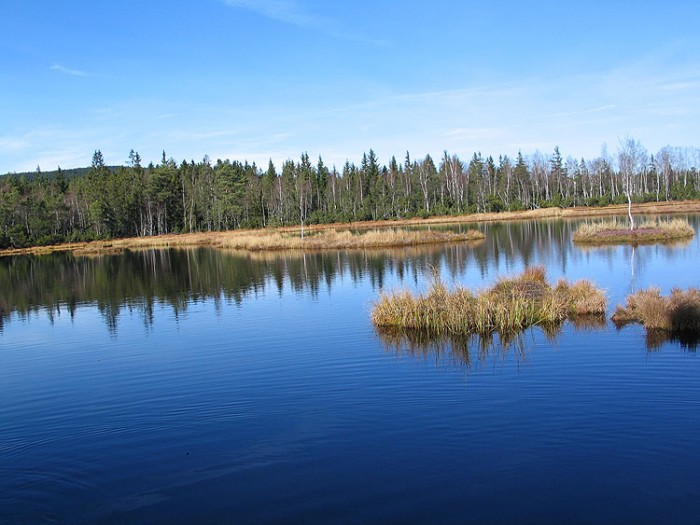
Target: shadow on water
column 656, row 339
column 468, row 350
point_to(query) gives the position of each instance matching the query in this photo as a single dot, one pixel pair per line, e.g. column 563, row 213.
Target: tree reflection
column 140, row 281
column 469, row 350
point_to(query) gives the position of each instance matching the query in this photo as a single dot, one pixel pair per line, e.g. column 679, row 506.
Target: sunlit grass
column 511, row 305
column 334, row 240
column 280, row 239
column 679, row 312
column 617, row 231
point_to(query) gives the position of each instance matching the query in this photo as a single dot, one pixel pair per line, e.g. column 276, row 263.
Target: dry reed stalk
column 509, row 306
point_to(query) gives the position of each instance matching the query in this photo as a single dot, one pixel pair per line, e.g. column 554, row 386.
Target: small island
column 511, row 305
column 614, row 232
column 332, row 239
column 677, row 313
column 275, row 240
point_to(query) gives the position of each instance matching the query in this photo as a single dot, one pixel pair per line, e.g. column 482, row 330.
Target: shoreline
column 217, row 239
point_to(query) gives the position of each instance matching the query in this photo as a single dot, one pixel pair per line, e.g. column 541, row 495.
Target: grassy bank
column 509, row 306
column 221, row 239
column 617, row 232
column 679, row 312
column 275, row 240
column 340, row 240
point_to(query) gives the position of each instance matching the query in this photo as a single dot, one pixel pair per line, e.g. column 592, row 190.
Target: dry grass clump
column 680, row 312
column 614, row 231
column 335, row 240
column 511, row 305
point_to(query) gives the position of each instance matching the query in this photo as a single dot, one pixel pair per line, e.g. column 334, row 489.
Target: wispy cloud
column 583, row 112
column 165, row 116
column 294, row 13
column 286, row 11
column 578, row 113
column 69, row 71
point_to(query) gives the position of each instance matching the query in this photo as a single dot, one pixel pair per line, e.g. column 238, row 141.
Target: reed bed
column 510, row 306
column 616, row 231
column 338, row 240
column 677, row 313
column 275, row 240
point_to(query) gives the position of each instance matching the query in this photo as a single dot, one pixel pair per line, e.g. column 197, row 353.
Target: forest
column 133, row 200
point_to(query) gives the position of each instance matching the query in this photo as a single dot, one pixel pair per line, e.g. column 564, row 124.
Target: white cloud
column 69, row 71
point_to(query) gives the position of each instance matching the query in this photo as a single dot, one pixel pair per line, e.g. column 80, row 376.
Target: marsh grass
column 507, row 308
column 274, row 240
column 616, row 231
column 677, row 313
column 335, row 240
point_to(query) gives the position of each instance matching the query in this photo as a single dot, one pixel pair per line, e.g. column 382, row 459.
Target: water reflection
column 468, row 350
column 139, row 281
column 656, row 339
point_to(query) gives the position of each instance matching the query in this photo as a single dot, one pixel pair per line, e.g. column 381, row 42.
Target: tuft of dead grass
column 678, row 313
column 511, row 305
column 617, row 232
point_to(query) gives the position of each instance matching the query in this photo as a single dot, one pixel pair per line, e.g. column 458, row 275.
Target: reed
column 510, row 306
column 678, row 313
column 617, row 232
column 337, row 240
column 270, row 240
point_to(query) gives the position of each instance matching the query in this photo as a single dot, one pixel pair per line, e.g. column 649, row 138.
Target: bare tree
column 630, row 156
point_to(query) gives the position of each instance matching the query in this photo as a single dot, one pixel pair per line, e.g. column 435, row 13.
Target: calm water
column 198, row 386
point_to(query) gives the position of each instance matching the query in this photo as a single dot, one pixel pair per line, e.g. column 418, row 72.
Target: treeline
column 133, row 200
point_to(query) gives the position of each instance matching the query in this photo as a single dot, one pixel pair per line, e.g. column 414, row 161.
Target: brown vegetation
column 337, row 240
column 509, row 306
column 614, row 232
column 273, row 240
column 680, row 312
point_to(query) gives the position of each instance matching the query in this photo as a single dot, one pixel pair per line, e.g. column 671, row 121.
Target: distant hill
column 68, row 174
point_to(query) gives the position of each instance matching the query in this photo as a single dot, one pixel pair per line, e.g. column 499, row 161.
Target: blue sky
column 260, row 79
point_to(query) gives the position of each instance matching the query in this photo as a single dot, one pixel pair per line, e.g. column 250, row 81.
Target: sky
column 270, row 79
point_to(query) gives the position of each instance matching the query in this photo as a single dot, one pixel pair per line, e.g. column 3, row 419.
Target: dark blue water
column 208, row 387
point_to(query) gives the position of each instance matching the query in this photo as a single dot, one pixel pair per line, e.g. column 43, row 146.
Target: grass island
column 677, row 313
column 650, row 231
column 274, row 240
column 511, row 305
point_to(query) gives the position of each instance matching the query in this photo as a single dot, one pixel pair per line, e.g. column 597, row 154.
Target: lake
column 199, row 386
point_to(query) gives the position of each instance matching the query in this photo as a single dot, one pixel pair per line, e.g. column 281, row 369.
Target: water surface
column 183, row 386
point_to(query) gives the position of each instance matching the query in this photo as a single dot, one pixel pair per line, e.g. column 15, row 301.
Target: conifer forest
column 133, row 200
